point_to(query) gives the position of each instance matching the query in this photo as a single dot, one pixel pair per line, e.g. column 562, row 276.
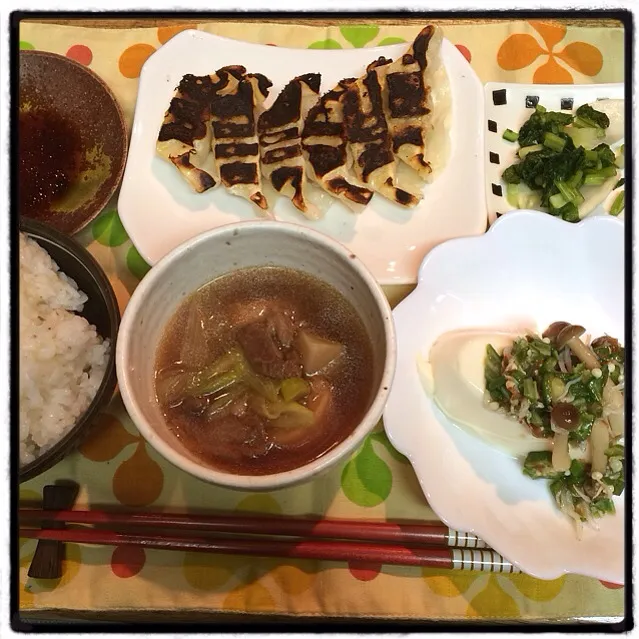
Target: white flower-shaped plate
column 528, row 268
column 160, row 211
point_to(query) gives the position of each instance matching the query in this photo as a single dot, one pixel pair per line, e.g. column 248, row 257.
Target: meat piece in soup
column 265, row 352
column 263, row 370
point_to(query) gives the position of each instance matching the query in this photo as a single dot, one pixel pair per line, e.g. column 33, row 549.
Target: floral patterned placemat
column 116, row 466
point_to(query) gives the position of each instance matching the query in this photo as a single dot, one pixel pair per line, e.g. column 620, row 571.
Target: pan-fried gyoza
column 279, row 131
column 327, row 154
column 185, row 134
column 368, row 137
column 235, row 143
column 383, row 132
column 407, row 103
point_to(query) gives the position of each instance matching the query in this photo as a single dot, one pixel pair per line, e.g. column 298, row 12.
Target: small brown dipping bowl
column 72, row 141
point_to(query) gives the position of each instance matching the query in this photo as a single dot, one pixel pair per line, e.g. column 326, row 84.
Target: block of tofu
column 280, row 131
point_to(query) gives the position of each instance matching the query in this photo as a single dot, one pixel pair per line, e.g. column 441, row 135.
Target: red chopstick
column 436, row 534
column 326, row 550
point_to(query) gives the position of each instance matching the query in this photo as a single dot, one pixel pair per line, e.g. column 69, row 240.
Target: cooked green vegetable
column 541, row 122
column 588, row 117
column 619, row 204
column 510, row 135
column 538, row 464
column 231, row 378
column 559, row 386
column 559, row 154
column 294, row 388
column 554, row 142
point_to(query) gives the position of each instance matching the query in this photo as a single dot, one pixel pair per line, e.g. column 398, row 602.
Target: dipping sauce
column 453, row 376
column 48, row 159
column 263, row 370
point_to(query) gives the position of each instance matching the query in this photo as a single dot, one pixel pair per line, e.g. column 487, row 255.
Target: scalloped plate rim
column 393, row 426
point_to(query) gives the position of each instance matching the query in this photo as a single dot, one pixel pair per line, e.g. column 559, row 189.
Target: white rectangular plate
column 160, row 211
column 509, row 109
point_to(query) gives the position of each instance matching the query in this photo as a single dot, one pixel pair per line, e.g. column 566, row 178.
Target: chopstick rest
column 49, row 553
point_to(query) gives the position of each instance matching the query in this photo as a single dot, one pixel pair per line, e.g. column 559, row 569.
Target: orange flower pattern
column 521, row 50
column 138, row 481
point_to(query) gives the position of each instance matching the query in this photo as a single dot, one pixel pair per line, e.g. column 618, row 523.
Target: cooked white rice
column 62, row 358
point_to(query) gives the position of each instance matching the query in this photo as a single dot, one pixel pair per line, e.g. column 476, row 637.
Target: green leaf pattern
column 366, row 479
column 358, row 36
column 136, row 264
column 108, row 230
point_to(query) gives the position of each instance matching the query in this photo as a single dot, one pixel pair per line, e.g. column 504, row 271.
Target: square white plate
column 508, row 106
column 160, row 211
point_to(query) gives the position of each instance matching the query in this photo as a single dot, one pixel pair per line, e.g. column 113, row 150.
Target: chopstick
column 435, row 533
column 327, row 538
column 326, row 550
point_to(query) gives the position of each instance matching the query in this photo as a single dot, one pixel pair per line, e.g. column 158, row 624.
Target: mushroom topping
column 608, row 342
column 554, row 329
column 569, row 336
column 565, row 416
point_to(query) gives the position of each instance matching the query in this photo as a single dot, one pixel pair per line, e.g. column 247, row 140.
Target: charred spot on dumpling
column 422, row 161
column 352, row 192
column 407, row 135
column 380, row 62
column 287, row 174
column 263, row 83
column 259, row 200
column 406, row 94
column 200, row 180
column 238, row 105
column 402, row 197
column 196, row 88
column 285, row 109
column 405, row 198
column 420, row 46
column 283, row 153
column 235, row 149
column 325, row 158
column 313, row 80
column 185, row 122
column 239, row 173
column 231, row 130
column 321, row 128
column 374, row 157
column 224, row 76
column 267, row 139
column 407, row 59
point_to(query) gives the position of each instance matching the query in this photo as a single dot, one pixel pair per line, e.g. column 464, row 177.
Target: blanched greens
column 563, row 388
column 559, row 154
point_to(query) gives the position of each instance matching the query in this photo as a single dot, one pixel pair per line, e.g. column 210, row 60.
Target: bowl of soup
column 257, row 355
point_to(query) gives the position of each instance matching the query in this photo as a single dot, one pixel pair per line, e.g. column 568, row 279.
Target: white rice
column 62, row 358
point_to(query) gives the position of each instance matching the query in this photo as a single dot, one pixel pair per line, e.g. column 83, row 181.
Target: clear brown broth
column 235, row 299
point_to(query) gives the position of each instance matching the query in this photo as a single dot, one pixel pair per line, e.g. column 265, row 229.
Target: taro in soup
column 263, row 370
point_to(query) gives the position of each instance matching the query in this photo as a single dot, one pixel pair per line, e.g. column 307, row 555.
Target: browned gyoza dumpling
column 407, row 100
column 234, row 115
column 185, row 135
column 326, row 151
column 369, row 140
column 280, row 130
